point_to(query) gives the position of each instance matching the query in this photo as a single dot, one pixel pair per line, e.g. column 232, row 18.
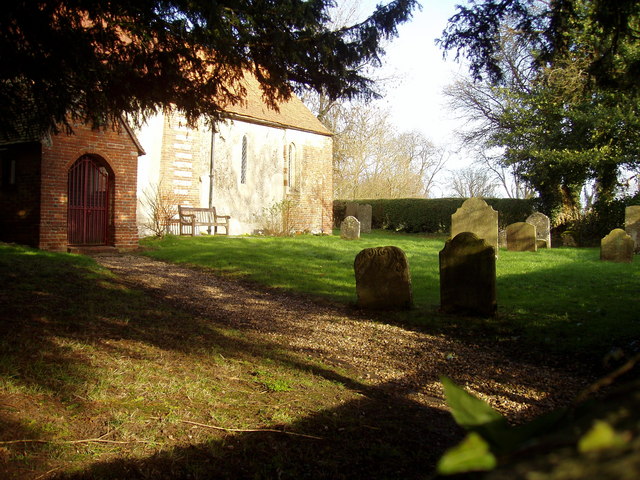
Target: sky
column 415, row 98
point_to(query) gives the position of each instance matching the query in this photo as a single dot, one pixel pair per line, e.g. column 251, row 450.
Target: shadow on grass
column 585, row 309
column 376, row 437
column 60, row 313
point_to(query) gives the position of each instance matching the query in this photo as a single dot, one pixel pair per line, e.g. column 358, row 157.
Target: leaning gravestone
column 632, row 224
column 468, row 276
column 477, row 217
column 364, row 217
column 617, row 247
column 350, row 228
column 543, row 229
column 382, row 279
column 351, row 210
column 521, row 237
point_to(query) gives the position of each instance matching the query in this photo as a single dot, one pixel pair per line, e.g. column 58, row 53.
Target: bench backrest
column 203, row 214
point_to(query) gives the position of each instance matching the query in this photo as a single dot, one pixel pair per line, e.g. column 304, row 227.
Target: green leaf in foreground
column 469, row 412
column 472, row 454
column 600, row 437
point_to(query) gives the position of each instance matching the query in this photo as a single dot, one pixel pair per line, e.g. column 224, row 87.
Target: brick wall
column 20, row 193
column 180, row 160
column 118, row 152
column 313, row 192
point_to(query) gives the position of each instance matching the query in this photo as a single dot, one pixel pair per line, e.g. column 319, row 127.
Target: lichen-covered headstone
column 543, row 229
column 468, row 276
column 617, row 247
column 477, row 217
column 521, row 237
column 350, row 228
column 383, row 280
column 364, row 217
column 632, row 224
column 351, row 210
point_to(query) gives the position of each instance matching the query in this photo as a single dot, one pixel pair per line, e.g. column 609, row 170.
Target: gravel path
column 400, row 360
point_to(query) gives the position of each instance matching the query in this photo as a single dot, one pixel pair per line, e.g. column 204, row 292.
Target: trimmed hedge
column 432, row 215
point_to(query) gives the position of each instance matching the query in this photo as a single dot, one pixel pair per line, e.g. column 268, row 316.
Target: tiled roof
column 24, row 130
column 290, row 114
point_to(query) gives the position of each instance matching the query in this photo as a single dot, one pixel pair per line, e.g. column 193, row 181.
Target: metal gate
column 88, row 215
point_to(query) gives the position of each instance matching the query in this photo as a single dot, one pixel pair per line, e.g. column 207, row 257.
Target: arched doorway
column 90, row 191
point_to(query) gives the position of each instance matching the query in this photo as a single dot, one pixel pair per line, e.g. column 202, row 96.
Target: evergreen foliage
column 575, row 119
column 93, row 61
column 549, row 28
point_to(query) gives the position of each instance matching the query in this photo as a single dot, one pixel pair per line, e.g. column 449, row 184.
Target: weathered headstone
column 383, row 280
column 568, row 240
column 521, row 237
column 543, row 229
column 632, row 224
column 351, row 210
column 477, row 217
column 617, row 247
column 350, row 228
column 502, row 238
column 364, row 217
column 468, row 276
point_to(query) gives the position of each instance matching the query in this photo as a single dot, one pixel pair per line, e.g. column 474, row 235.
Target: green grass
column 564, row 300
column 84, row 356
column 319, row 265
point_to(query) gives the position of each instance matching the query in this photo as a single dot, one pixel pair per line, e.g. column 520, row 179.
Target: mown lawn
column 99, row 379
column 564, row 300
column 102, row 380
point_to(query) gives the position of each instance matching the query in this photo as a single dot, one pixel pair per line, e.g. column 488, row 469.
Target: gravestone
column 632, row 224
column 364, row 216
column 502, row 238
column 568, row 240
column 543, row 229
column 521, row 237
column 468, row 276
column 350, row 228
column 351, row 210
column 382, row 279
column 617, row 247
column 477, row 217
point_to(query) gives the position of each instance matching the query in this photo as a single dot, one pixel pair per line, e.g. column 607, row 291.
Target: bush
column 277, row 220
column 594, row 225
column 431, row 215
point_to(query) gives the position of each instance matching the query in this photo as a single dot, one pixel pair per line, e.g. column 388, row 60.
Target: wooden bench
column 202, row 217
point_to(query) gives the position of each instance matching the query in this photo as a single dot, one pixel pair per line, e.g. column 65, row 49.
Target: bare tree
column 373, row 160
column 427, row 159
column 480, row 106
column 507, row 176
column 160, row 206
column 472, row 182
